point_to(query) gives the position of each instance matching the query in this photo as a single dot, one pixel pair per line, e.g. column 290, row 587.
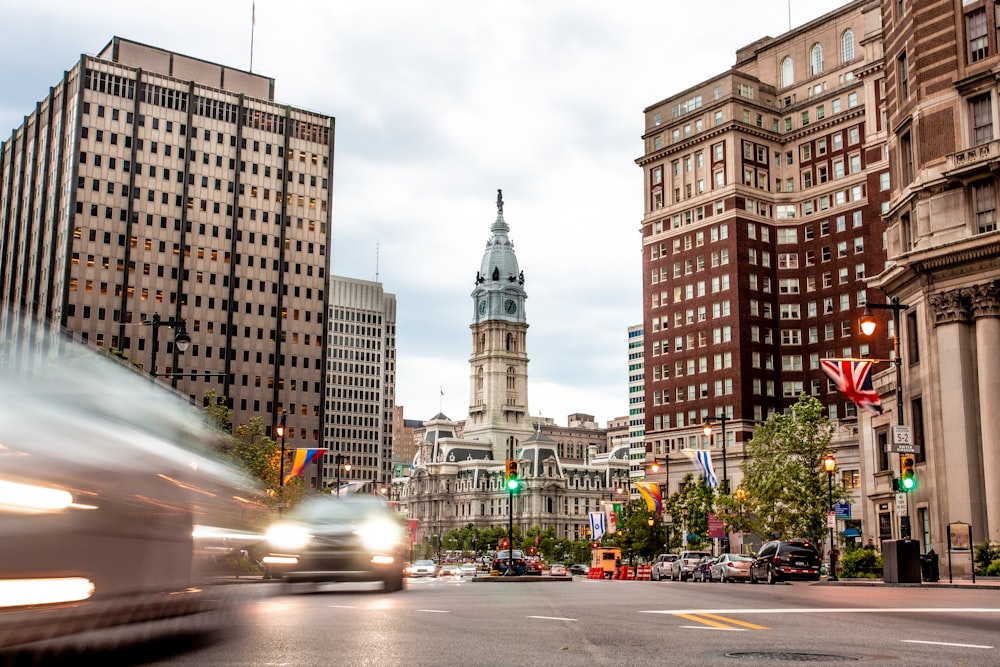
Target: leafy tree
column 784, row 481
column 689, row 509
column 636, row 537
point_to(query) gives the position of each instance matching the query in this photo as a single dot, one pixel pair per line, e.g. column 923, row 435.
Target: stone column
column 958, row 482
column 986, row 311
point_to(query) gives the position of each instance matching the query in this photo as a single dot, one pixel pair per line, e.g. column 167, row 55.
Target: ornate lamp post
column 707, row 429
column 830, row 466
column 338, row 458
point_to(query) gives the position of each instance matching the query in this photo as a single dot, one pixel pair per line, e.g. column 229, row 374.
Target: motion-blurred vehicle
column 451, row 571
column 683, row 567
column 533, row 567
column 782, row 560
column 114, row 505
column 469, row 570
column 579, row 568
column 351, row 538
column 557, row 570
column 731, row 567
column 661, row 567
column 703, row 570
column 424, row 568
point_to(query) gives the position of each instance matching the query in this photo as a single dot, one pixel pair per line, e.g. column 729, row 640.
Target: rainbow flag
column 650, row 491
column 302, row 458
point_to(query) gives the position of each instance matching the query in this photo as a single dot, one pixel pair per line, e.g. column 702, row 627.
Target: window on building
column 984, row 200
column 787, row 72
column 981, row 110
column 903, row 76
column 975, row 30
column 847, row 46
column 816, row 59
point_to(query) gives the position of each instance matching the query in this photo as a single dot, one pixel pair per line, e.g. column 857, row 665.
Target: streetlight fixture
column 830, row 466
column 868, row 325
column 181, row 338
column 338, row 458
column 707, row 429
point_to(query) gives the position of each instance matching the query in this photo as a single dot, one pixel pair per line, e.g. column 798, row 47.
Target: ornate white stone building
column 458, row 471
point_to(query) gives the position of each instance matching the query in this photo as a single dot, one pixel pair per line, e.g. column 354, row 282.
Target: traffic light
column 504, row 543
column 907, row 476
column 513, row 483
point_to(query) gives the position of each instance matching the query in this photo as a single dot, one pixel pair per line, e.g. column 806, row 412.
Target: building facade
column 637, row 401
column 458, row 472
column 149, row 185
column 943, row 246
column 764, row 188
column 360, row 384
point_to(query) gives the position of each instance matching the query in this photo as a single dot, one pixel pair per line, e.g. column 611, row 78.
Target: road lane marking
column 342, row 606
column 705, row 621
column 833, row 610
column 745, row 624
column 705, row 627
column 919, row 641
column 552, row 618
column 435, row 611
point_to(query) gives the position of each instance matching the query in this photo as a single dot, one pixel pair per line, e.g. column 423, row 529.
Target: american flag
column 853, row 379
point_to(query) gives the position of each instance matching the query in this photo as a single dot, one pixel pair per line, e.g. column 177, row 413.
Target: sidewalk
column 984, row 583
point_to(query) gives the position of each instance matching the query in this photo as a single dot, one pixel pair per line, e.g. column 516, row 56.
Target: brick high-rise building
column 764, row 188
column 148, row 183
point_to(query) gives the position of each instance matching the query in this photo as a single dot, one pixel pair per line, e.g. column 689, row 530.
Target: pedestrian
column 870, row 546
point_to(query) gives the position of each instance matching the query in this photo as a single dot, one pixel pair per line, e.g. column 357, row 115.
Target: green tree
column 784, row 481
column 689, row 509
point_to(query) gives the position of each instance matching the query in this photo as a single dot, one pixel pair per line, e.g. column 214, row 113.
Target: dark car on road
column 356, row 538
column 782, row 560
column 504, row 559
column 578, row 568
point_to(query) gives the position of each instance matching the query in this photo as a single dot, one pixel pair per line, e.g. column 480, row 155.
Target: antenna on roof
column 253, row 24
column 376, row 261
column 789, row 15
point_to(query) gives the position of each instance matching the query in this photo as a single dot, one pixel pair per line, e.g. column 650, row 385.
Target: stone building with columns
column 457, row 477
column 944, row 266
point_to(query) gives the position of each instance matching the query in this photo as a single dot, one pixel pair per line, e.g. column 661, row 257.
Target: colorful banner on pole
column 301, row 459
column 650, row 491
column 703, row 458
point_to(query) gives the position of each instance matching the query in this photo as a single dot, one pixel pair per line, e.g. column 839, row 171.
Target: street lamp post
column 868, row 325
column 279, row 430
column 338, row 458
column 830, row 466
column 707, row 429
column 181, row 337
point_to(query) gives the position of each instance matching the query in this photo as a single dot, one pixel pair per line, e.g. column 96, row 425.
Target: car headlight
column 287, row 536
column 380, row 535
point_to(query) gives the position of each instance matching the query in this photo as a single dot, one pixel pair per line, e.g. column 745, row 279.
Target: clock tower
column 498, row 392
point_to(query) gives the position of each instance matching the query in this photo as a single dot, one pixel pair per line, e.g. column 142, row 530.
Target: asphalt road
column 587, row 622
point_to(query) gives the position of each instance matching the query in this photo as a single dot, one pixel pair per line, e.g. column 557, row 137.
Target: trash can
column 929, row 566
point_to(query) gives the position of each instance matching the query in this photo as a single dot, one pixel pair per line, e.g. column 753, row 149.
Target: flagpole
column 253, row 25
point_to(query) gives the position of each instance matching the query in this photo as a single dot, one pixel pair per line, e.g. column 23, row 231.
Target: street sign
column 902, row 441
column 831, row 519
column 842, row 510
column 900, row 504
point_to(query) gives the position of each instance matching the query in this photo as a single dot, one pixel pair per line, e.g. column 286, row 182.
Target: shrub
column 993, row 569
column 987, row 554
column 861, row 564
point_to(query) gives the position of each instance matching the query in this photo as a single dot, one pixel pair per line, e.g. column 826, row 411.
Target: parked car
column 703, row 570
column 423, row 568
column 353, row 538
column 683, row 567
column 505, row 558
column 578, row 568
column 782, row 560
column 661, row 567
column 557, row 570
column 469, row 570
column 731, row 567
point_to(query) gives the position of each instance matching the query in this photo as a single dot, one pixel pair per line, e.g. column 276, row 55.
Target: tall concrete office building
column 941, row 107
column 361, row 384
column 636, row 401
column 151, row 187
column 764, row 188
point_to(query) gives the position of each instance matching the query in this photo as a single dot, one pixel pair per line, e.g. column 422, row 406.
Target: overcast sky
column 438, row 104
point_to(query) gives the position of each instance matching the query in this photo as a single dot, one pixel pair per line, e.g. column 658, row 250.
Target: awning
column 852, row 532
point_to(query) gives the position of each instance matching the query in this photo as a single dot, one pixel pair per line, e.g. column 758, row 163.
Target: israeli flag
column 703, row 457
column 597, row 529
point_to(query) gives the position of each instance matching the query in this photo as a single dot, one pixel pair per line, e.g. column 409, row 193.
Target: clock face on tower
column 510, row 306
column 482, row 307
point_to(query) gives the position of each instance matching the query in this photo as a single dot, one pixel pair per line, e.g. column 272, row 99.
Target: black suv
column 503, row 559
column 781, row 560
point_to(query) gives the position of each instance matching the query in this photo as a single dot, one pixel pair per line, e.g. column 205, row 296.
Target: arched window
column 816, row 59
column 847, row 46
column 787, row 72
column 511, row 378
column 479, row 378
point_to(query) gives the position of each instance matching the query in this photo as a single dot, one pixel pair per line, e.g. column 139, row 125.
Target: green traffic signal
column 513, row 484
column 907, row 475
